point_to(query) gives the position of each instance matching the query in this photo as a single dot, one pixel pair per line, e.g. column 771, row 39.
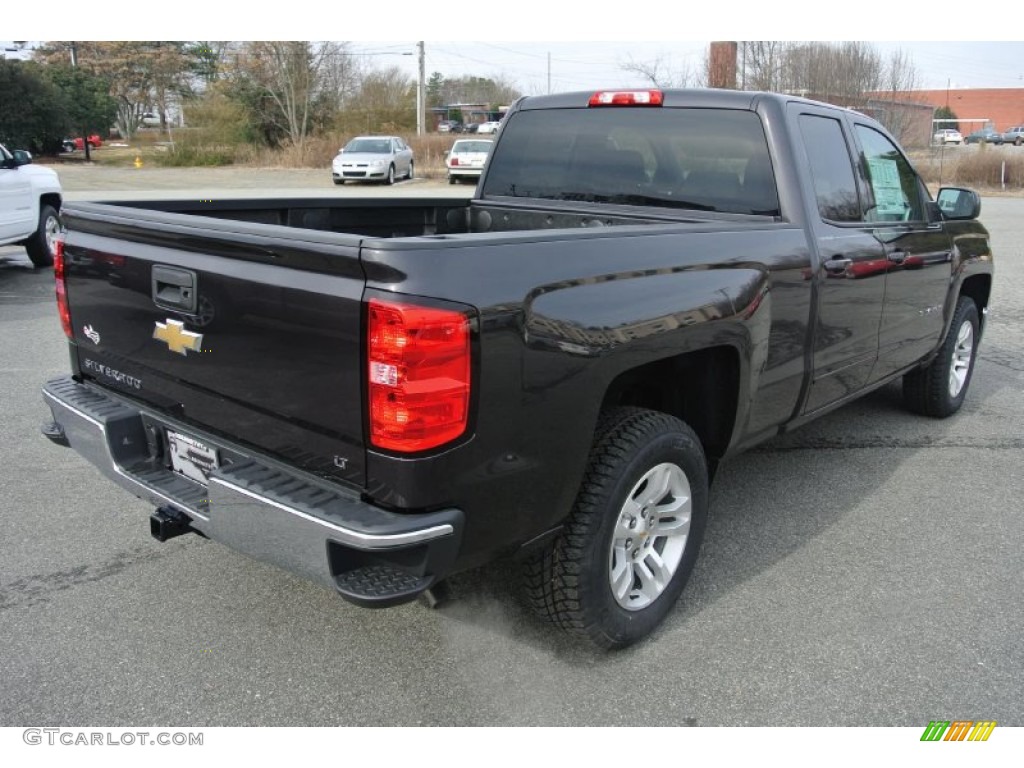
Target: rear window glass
column 703, row 159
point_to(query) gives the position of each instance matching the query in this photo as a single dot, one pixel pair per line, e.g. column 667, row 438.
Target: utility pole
column 421, row 93
column 549, row 71
column 85, row 130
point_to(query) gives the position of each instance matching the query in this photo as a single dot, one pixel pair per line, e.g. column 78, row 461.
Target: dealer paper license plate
column 191, row 458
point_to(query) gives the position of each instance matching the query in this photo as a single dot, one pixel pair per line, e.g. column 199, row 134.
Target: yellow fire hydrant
column 138, row 161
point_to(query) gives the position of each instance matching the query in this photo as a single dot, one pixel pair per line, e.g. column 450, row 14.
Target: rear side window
column 701, row 159
column 835, row 186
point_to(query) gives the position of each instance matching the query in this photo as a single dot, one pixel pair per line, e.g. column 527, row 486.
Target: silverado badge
column 179, row 340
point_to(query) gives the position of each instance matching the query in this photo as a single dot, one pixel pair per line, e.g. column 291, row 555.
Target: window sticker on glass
column 885, row 180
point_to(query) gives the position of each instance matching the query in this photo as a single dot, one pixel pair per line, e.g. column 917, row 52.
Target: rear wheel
column 633, row 535
column 939, row 388
column 412, row 170
column 42, row 246
column 451, row 179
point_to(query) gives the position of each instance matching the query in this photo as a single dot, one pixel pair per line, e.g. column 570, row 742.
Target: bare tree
column 659, row 72
column 896, row 111
column 290, row 75
column 762, row 64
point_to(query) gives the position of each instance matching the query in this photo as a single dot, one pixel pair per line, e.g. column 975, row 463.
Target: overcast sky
column 513, row 39
column 585, row 65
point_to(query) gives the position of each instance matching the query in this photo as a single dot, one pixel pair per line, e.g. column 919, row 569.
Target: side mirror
column 957, row 203
column 21, row 157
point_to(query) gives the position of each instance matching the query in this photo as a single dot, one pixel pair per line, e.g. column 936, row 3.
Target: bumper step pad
column 380, row 585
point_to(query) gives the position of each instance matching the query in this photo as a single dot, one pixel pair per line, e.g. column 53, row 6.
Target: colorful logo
column 958, row 730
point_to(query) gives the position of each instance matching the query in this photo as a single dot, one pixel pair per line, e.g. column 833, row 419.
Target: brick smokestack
column 722, row 65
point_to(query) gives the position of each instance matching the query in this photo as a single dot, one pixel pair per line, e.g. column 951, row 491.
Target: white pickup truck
column 30, row 200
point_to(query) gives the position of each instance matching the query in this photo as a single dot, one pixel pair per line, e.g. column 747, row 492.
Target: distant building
column 471, row 113
column 977, row 108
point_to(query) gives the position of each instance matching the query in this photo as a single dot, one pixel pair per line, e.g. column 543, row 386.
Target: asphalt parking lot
column 864, row 570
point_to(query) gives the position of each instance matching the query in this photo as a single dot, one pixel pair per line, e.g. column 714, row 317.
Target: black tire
column 1016, row 142
column 452, row 179
column 339, row 182
column 412, row 171
column 571, row 582
column 930, row 390
column 40, row 245
column 391, row 176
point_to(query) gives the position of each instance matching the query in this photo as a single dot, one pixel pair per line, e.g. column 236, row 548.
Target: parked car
column 77, row 143
column 466, row 159
column 1014, row 135
column 449, row 126
column 368, row 158
column 151, row 120
column 491, row 126
column 948, row 136
column 30, row 203
column 986, row 135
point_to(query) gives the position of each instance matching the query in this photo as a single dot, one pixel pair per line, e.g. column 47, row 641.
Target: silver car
column 370, row 158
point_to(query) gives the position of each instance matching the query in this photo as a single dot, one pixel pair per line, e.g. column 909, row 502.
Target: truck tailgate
column 252, row 334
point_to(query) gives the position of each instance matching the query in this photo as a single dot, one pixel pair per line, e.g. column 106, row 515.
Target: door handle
column 837, row 264
column 897, row 255
column 174, row 288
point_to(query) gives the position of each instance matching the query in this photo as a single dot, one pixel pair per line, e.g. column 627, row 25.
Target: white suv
column 30, row 200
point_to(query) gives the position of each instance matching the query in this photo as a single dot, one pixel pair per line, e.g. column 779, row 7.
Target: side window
column 834, row 183
column 893, row 182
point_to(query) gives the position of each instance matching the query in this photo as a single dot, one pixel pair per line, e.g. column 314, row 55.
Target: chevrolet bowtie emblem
column 179, row 340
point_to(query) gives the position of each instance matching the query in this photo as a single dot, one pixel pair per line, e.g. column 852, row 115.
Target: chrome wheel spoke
column 657, row 487
column 622, row 577
column 672, row 526
column 654, row 576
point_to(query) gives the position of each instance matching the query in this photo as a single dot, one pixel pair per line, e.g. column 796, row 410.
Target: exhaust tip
column 54, row 432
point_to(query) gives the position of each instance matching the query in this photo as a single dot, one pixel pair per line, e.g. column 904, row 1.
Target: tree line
column 271, row 93
column 844, row 73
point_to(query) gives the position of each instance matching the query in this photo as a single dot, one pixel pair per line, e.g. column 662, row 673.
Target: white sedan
column 373, row 158
column 489, row 127
column 466, row 159
column 948, row 136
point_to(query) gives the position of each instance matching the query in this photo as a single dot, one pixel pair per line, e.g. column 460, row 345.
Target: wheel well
column 978, row 287
column 701, row 388
column 50, row 199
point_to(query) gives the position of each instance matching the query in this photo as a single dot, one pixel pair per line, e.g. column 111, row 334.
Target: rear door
column 249, row 331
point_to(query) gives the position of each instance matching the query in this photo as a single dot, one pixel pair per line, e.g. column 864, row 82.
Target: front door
column 918, row 255
column 852, row 263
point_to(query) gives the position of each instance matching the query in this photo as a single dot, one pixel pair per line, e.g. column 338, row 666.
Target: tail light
column 419, row 375
column 62, row 290
column 455, row 160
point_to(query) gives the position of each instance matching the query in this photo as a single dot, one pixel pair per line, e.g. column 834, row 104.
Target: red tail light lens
column 455, row 160
column 626, row 98
column 62, row 291
column 419, row 375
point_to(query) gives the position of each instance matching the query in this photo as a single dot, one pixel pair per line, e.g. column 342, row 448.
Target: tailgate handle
column 174, row 288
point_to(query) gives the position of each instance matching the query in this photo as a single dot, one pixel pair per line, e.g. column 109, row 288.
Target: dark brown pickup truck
column 379, row 394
